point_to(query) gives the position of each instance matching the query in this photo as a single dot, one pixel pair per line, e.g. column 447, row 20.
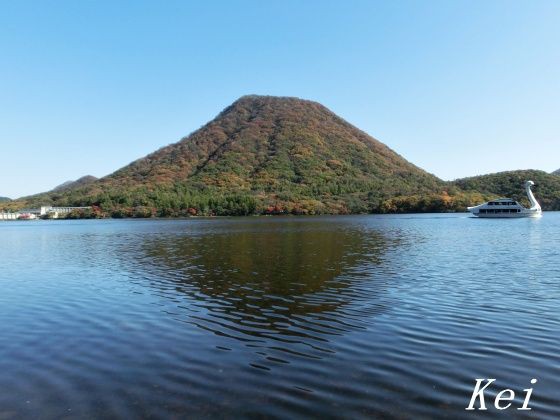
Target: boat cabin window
column 502, row 203
column 498, row 211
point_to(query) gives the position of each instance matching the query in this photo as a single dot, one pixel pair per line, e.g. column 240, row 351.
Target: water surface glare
column 355, row 317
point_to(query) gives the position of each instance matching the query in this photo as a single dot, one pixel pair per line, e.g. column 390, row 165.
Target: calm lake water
column 355, row 317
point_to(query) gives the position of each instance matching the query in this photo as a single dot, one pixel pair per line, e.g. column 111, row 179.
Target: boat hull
column 532, row 215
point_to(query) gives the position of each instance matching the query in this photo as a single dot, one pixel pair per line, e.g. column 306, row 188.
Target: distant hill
column 3, row 199
column 262, row 154
column 556, row 172
column 54, row 196
column 68, row 185
column 511, row 184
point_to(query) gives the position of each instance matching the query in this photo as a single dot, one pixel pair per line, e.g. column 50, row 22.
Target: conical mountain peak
column 286, row 153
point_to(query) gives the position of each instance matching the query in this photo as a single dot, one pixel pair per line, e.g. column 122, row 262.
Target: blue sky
column 457, row 87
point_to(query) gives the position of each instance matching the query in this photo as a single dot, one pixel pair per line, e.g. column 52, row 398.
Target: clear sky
column 457, row 87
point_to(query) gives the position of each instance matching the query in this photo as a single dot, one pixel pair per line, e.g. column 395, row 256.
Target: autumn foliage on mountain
column 510, row 184
column 70, row 185
column 269, row 155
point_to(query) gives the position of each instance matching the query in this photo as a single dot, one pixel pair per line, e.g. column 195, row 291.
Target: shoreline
column 254, row 216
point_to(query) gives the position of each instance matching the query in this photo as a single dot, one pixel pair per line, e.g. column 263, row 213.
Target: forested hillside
column 70, row 185
column 278, row 155
column 264, row 155
column 510, row 184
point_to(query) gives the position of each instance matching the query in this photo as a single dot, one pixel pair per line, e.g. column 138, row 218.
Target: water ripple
column 369, row 316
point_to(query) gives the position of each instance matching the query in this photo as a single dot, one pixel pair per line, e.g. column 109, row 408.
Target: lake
column 347, row 316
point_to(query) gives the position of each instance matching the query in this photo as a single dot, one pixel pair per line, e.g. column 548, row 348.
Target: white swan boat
column 506, row 207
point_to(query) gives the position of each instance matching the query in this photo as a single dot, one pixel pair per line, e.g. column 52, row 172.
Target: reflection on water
column 286, row 287
column 360, row 317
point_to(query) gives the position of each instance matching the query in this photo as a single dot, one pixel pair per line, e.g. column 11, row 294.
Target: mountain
column 511, row 184
column 275, row 155
column 556, row 172
column 3, row 199
column 69, row 185
column 261, row 154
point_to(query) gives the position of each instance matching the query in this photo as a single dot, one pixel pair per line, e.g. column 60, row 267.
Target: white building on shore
column 9, row 216
column 42, row 212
